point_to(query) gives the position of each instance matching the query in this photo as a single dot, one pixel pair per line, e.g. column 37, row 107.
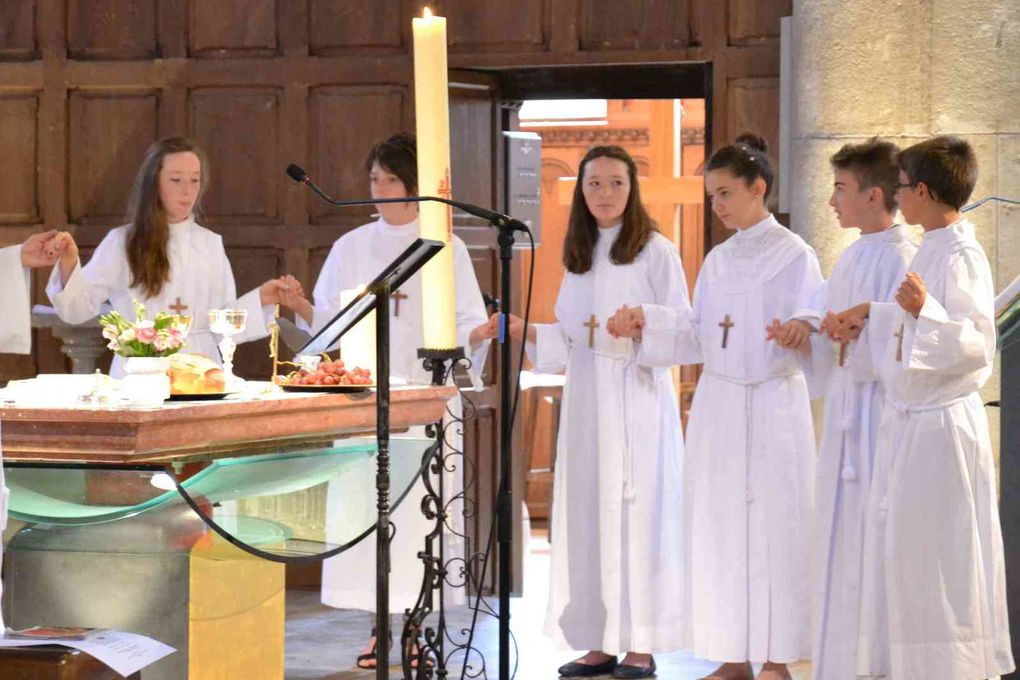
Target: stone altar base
column 160, row 574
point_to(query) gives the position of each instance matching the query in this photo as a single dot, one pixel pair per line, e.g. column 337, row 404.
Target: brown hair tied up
column 583, row 231
column 149, row 230
column 746, row 158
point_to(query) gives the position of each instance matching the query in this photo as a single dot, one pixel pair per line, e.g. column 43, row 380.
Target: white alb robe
column 16, row 338
column 348, row 580
column 617, row 548
column 933, row 515
column 750, row 466
column 200, row 278
column 15, row 308
column 871, row 268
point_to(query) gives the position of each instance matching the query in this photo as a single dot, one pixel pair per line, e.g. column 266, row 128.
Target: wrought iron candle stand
column 437, row 645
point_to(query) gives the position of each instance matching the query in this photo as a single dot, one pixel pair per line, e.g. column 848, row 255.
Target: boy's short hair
column 874, row 163
column 946, row 165
column 398, row 155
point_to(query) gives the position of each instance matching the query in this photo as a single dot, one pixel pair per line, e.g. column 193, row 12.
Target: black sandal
column 369, row 657
column 415, row 651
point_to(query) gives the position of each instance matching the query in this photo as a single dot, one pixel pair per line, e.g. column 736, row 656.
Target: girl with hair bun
column 750, row 449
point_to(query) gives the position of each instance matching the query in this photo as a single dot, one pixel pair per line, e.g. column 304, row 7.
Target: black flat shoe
column 627, row 671
column 575, row 669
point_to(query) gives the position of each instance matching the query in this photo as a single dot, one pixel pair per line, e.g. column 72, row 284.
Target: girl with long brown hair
column 616, row 583
column 163, row 258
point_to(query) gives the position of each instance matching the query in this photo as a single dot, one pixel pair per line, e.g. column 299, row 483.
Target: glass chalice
column 228, row 323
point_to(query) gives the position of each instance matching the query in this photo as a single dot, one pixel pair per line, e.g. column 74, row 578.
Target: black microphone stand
column 504, row 506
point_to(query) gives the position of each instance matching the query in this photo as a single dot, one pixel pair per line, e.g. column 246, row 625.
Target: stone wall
column 906, row 70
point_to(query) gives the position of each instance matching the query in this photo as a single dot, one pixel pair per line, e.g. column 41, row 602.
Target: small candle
column 357, row 345
column 432, row 116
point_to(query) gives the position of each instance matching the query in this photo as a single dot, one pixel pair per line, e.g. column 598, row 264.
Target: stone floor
column 322, row 643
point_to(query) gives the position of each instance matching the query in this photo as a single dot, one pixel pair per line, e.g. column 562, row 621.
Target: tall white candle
column 432, row 116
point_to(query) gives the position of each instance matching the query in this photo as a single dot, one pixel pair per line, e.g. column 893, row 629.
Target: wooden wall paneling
column 234, row 28
column 172, row 28
column 344, row 123
column 336, row 27
column 293, row 27
column 565, row 30
column 111, row 29
column 17, row 30
column 19, row 197
column 108, row 134
column 519, row 26
column 638, row 25
column 752, row 22
column 239, row 130
column 752, row 104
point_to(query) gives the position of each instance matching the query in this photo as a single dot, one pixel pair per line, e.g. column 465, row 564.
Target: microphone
column 296, row 173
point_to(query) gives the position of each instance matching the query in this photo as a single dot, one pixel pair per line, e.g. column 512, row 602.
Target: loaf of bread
column 194, row 374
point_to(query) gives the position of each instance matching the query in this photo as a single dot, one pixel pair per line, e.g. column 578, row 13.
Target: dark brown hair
column 149, row 232
column 397, row 155
column 747, row 158
column 583, row 231
column 946, row 165
column 874, row 163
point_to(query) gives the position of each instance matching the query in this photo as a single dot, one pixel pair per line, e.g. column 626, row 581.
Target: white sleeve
column 670, row 286
column 956, row 336
column 672, row 334
column 470, row 311
column 867, row 353
column 551, row 349
column 90, row 286
column 16, row 327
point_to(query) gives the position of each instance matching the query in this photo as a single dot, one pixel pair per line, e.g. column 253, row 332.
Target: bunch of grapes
column 330, row 373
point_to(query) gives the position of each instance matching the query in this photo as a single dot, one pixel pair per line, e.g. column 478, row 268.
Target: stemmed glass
column 228, row 323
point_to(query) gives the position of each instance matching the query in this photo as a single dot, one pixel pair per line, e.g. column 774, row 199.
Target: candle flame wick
column 427, row 14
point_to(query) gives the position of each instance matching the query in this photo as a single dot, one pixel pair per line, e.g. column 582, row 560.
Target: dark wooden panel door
column 476, row 169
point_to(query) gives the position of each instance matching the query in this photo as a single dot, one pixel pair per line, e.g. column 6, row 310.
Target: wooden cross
column 591, row 325
column 726, row 325
column 397, row 297
column 899, row 347
column 178, row 306
column 842, row 353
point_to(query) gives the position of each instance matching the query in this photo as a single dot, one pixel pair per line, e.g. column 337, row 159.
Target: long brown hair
column 149, row 230
column 583, row 231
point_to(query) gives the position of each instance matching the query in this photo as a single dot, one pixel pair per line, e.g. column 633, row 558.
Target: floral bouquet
column 160, row 337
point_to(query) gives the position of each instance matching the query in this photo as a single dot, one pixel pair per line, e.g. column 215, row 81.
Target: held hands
column 847, row 325
column 487, row 331
column 793, row 334
column 62, row 245
column 35, row 252
column 912, row 294
column 286, row 291
column 626, row 322
column 515, row 327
